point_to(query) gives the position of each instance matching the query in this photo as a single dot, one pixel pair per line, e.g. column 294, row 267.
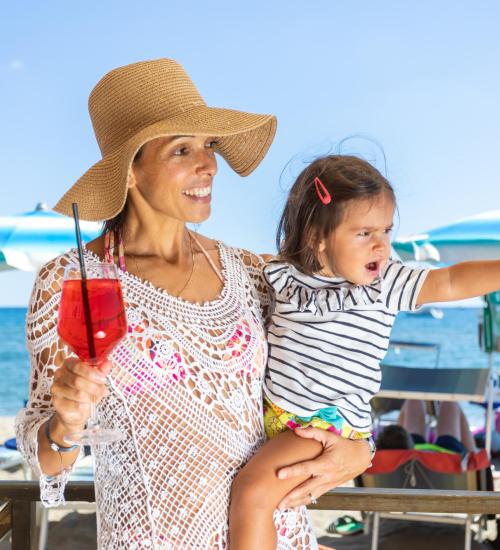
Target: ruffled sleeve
column 47, row 353
column 402, row 285
column 317, row 295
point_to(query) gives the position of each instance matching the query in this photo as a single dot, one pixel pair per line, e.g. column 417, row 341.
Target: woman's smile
column 199, row 194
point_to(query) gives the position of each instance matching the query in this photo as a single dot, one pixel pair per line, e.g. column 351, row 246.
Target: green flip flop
column 345, row 525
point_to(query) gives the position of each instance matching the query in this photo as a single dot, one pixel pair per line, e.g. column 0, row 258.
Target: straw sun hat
column 136, row 103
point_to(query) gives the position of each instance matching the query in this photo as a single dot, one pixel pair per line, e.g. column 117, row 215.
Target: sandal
column 345, row 525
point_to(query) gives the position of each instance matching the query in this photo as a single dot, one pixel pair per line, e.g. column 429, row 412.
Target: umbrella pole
column 489, row 410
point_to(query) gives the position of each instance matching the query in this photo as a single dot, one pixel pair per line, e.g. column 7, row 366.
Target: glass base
column 94, row 436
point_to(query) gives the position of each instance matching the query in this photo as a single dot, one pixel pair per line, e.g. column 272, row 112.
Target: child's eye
column 388, row 231
column 363, row 234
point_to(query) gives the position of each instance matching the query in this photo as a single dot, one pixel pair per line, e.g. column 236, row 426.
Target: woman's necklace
column 178, row 294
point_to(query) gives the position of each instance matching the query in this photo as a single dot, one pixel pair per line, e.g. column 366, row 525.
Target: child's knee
column 250, row 489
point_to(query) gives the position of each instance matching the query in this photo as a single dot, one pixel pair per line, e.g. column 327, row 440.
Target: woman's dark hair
column 394, row 436
column 116, row 224
column 306, row 220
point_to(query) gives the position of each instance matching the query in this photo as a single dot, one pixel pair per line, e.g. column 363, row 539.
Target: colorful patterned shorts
column 276, row 420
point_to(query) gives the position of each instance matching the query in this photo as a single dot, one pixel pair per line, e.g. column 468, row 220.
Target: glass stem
column 93, row 421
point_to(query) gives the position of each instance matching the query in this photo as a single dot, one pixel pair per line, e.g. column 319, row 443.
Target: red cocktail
column 92, row 343
column 108, row 317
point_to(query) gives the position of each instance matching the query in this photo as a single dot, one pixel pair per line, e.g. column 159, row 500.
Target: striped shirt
column 327, row 337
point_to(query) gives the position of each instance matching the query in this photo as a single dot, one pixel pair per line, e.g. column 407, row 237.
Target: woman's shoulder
column 253, row 260
column 54, row 269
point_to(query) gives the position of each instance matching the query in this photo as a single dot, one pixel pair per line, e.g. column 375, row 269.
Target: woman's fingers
column 310, row 467
column 301, row 495
column 81, row 377
column 71, row 413
column 94, row 374
column 79, row 390
column 341, row 460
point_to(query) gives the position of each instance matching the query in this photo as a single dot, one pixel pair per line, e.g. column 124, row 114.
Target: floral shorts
column 276, row 420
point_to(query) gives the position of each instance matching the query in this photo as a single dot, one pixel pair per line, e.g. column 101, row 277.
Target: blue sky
column 421, row 80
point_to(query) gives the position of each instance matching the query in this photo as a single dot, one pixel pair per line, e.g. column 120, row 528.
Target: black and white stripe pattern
column 327, row 337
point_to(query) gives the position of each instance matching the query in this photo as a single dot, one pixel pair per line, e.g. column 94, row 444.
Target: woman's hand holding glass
column 91, row 321
column 75, row 384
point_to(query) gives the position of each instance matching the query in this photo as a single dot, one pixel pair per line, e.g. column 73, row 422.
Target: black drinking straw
column 85, row 295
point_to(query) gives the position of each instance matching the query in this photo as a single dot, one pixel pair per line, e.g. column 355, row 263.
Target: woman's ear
column 131, row 181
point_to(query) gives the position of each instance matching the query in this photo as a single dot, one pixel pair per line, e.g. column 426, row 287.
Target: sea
column 455, row 335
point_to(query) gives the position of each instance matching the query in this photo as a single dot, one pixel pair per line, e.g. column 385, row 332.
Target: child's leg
column 256, row 490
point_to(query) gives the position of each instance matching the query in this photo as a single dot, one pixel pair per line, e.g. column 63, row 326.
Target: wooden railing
column 18, row 498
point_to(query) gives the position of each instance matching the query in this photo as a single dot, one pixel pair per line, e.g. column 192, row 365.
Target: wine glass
column 92, row 343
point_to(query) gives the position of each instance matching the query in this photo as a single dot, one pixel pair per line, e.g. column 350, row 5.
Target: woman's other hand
column 75, row 383
column 341, row 460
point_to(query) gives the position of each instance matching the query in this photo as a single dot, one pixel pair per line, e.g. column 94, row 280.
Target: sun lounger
column 413, row 469
column 435, row 384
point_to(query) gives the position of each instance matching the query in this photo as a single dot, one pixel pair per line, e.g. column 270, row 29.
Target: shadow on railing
column 18, row 499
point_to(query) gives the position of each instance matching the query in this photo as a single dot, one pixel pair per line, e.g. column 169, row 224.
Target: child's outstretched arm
column 460, row 281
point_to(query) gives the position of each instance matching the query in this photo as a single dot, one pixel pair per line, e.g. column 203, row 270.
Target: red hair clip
column 322, row 191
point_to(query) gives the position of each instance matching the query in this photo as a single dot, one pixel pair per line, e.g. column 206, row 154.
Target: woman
column 185, row 385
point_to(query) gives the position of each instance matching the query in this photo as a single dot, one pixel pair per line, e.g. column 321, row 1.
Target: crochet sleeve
column 254, row 265
column 46, row 352
column 402, row 285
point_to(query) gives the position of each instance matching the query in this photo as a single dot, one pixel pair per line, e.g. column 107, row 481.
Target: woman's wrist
column 57, row 430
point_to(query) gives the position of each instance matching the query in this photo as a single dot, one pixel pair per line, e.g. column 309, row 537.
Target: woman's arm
column 49, row 373
column 73, row 386
column 460, row 281
column 341, row 460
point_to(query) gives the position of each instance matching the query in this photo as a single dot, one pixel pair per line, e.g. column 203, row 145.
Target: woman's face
column 174, row 176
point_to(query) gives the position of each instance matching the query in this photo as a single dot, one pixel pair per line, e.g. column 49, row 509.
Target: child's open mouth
column 373, row 267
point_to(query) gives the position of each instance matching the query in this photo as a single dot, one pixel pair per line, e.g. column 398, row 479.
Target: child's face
column 360, row 246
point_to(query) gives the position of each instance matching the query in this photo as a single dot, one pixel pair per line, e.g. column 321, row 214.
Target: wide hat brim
column 243, row 139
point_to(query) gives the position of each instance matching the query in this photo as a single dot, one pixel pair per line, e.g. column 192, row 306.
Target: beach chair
column 11, row 458
column 411, row 469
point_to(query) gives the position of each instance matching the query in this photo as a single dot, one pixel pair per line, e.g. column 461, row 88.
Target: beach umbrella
column 473, row 238
column 29, row 240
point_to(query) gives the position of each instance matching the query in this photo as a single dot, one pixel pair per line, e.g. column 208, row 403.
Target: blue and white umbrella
column 29, row 240
column 473, row 238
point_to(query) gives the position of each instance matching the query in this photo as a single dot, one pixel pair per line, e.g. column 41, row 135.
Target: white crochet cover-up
column 186, row 390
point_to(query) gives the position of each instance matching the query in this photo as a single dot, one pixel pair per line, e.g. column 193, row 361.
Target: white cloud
column 16, row 65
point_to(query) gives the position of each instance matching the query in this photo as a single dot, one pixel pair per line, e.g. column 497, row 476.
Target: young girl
column 336, row 296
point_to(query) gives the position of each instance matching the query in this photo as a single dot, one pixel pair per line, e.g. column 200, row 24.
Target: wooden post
column 5, row 519
column 23, row 525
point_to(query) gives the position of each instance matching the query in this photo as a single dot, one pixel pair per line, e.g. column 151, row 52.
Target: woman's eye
column 180, row 151
column 212, row 144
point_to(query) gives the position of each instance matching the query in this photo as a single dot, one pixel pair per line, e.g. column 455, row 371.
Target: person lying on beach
column 336, row 295
column 185, row 385
column 453, row 431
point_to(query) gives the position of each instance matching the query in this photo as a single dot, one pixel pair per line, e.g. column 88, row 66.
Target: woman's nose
column 207, row 163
